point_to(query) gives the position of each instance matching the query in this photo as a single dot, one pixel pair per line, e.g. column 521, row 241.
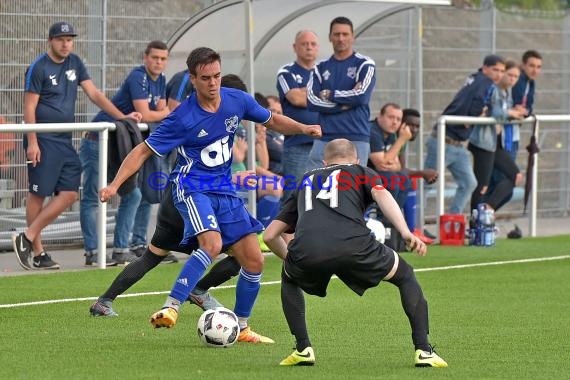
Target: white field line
column 464, row 266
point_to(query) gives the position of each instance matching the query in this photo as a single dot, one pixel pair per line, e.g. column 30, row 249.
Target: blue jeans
column 458, row 161
column 125, row 217
column 142, row 217
column 317, row 153
column 295, row 159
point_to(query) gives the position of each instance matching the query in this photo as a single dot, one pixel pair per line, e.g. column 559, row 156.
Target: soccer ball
column 218, row 327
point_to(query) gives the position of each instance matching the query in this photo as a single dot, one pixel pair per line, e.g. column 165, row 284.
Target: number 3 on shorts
column 213, row 222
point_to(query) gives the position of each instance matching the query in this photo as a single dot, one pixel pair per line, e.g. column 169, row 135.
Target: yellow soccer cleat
column 429, row 359
column 165, row 317
column 305, row 357
column 247, row 335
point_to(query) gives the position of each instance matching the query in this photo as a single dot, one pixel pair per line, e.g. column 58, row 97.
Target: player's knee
column 254, row 263
column 403, row 274
column 213, row 247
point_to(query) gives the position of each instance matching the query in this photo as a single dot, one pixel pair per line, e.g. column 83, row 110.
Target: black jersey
column 326, row 212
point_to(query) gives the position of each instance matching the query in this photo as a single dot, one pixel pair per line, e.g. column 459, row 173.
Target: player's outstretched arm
column 288, row 126
column 392, row 211
column 131, row 164
column 272, row 236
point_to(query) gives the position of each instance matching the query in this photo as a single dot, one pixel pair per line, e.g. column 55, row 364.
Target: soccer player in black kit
column 331, row 238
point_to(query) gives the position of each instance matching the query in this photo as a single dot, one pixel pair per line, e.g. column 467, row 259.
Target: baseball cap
column 61, row 28
column 492, row 60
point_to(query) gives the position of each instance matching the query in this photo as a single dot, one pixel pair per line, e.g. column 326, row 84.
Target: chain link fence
column 113, row 34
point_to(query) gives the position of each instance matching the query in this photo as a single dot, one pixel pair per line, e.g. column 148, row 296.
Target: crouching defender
column 331, row 238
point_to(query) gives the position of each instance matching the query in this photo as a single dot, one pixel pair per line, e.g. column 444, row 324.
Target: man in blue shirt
column 178, row 89
column 340, row 89
column 143, row 91
column 50, row 93
column 523, row 96
column 292, row 80
column 202, row 129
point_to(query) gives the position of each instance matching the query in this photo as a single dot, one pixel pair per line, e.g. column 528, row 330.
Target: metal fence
column 113, row 34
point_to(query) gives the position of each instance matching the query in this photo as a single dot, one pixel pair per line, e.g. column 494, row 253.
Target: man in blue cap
column 50, row 93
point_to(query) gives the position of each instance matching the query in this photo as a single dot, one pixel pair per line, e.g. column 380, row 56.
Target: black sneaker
column 23, row 248
column 91, row 260
column 170, row 259
column 124, row 258
column 44, row 261
column 138, row 250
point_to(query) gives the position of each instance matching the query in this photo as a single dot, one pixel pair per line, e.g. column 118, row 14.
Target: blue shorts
column 214, row 212
column 59, row 169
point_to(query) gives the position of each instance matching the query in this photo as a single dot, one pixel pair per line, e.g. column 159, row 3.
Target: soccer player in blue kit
column 202, row 129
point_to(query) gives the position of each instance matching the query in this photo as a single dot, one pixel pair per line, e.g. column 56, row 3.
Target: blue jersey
column 137, row 86
column 292, row 76
column 205, row 140
column 179, row 87
column 351, row 82
column 56, row 84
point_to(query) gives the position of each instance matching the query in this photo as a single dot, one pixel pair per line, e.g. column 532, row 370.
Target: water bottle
column 473, row 227
column 490, row 228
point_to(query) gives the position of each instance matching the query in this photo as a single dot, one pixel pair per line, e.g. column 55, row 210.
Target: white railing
column 103, row 128
column 447, row 119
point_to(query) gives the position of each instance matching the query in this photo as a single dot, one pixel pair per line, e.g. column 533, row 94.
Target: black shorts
column 169, row 231
column 358, row 270
column 59, row 169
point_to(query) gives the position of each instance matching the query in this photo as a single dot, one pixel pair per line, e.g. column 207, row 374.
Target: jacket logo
column 351, row 72
column 53, row 79
column 326, row 75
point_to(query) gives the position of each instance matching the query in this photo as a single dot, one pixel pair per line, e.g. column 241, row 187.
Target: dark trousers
column 484, row 163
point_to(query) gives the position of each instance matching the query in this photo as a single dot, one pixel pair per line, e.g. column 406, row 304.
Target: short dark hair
column 341, row 20
column 156, row 44
column 233, row 81
column 410, row 112
column 200, row 57
column 492, row 60
column 385, row 107
column 530, row 54
column 261, row 99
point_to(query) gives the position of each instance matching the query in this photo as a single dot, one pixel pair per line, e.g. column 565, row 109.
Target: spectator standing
column 469, row 101
column 488, row 153
column 143, row 91
column 340, row 89
column 292, row 82
column 50, row 93
column 523, row 96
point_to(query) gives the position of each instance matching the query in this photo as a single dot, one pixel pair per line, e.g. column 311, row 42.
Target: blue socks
column 190, row 274
column 410, row 207
column 246, row 292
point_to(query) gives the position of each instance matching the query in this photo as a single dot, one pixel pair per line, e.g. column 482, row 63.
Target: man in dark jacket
column 469, row 101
